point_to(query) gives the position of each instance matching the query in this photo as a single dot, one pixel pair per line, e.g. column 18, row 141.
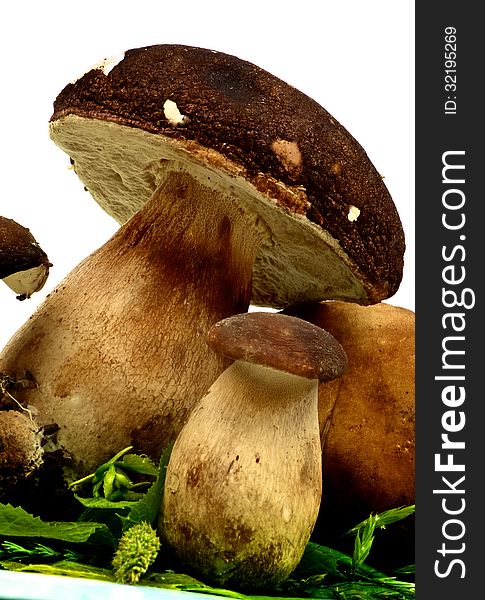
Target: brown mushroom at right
column 244, row 482
column 367, row 421
column 24, row 266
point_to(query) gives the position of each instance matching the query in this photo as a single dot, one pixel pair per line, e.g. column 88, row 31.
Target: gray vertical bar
column 449, row 399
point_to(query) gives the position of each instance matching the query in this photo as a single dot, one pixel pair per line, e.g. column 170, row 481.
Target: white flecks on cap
column 172, row 114
column 354, row 213
column 106, row 65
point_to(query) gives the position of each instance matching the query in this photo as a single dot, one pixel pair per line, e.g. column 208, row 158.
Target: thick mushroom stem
column 243, row 485
column 129, row 324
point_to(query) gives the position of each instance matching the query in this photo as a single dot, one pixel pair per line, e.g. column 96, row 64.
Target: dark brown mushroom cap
column 19, row 250
column 284, row 143
column 281, row 342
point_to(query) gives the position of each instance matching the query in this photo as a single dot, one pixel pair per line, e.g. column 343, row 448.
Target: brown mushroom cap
column 281, row 342
column 19, row 251
column 334, row 229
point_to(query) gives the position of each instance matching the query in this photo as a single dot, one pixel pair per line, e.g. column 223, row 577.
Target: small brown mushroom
column 24, row 266
column 244, row 480
column 231, row 187
column 367, row 420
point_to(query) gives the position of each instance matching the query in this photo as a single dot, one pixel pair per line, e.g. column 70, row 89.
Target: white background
column 354, row 57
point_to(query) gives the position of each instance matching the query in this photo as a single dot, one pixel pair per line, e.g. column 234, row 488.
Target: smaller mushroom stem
column 244, row 480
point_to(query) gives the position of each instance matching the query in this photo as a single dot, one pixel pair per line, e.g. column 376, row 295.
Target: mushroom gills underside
column 25, row 283
column 122, row 167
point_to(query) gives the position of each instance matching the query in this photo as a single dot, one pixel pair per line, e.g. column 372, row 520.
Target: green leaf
column 122, row 482
column 138, row 464
column 363, row 545
column 387, row 517
column 16, row 522
column 108, row 481
column 103, row 504
column 318, row 559
column 181, row 582
column 98, row 475
column 361, row 590
column 12, row 551
column 148, row 508
column 65, row 567
column 406, row 570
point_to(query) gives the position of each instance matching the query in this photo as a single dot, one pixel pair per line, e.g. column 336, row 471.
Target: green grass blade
column 385, row 518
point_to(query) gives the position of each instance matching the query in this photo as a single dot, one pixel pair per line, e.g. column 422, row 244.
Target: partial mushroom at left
column 24, row 266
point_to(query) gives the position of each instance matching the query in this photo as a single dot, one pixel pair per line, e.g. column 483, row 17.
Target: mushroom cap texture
column 237, row 118
column 280, row 342
column 19, row 250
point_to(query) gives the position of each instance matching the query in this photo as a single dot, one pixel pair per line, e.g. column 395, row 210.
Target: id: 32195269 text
column 450, row 73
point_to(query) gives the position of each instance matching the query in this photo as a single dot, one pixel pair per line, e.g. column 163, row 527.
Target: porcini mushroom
column 231, row 186
column 367, row 421
column 24, row 266
column 244, row 480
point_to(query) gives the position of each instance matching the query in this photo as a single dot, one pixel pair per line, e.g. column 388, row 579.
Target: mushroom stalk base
column 118, row 350
column 244, row 482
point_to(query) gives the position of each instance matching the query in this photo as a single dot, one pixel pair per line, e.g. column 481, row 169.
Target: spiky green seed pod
column 137, row 550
